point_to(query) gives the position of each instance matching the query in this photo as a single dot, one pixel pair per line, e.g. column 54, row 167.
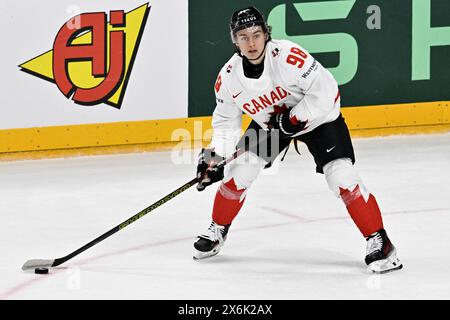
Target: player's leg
column 333, row 152
column 343, row 180
column 231, row 193
column 230, row 197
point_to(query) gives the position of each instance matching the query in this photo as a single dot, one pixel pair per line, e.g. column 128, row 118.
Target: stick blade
column 37, row 263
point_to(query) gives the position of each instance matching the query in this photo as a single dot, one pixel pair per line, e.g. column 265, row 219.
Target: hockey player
column 289, row 93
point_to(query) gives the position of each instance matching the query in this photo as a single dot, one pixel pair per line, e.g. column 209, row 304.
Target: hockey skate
column 209, row 243
column 381, row 255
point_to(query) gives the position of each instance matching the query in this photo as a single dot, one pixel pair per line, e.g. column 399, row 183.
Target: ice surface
column 292, row 240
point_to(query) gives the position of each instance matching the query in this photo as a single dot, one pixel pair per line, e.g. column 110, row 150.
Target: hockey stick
column 48, row 263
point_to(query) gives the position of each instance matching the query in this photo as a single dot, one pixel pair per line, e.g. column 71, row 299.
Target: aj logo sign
column 91, row 60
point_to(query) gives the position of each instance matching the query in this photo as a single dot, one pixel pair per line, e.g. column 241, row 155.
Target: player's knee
column 242, row 180
column 231, row 191
column 342, row 175
column 244, row 174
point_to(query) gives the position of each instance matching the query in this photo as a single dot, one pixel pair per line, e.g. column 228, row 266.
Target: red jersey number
column 297, row 58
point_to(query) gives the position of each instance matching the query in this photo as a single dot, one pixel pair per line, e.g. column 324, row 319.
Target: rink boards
column 162, row 94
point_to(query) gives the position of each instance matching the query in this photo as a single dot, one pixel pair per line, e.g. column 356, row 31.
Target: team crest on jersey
column 229, row 68
column 275, row 52
column 91, row 58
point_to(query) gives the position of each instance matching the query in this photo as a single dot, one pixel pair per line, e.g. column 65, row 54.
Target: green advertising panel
column 380, row 51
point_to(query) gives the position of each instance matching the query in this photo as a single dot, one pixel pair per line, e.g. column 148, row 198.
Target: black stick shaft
column 150, row 208
column 126, row 223
column 142, row 213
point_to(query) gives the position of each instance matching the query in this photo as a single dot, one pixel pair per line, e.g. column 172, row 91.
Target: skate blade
column 387, row 270
column 391, row 263
column 199, row 255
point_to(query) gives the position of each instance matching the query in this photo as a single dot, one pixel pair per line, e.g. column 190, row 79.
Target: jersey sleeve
column 318, row 86
column 226, row 121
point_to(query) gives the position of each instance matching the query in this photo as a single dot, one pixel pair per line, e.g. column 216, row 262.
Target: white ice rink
column 292, row 240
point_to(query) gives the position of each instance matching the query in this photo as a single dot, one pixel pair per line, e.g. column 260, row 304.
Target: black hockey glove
column 282, row 122
column 207, row 174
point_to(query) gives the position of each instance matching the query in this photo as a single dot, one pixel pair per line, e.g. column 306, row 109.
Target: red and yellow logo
column 91, row 59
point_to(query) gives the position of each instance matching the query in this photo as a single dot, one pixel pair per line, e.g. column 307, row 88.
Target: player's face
column 251, row 42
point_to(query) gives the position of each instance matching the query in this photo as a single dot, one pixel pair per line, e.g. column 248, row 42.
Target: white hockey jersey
column 292, row 78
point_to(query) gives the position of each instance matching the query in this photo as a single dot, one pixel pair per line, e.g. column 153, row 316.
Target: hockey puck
column 41, row 270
